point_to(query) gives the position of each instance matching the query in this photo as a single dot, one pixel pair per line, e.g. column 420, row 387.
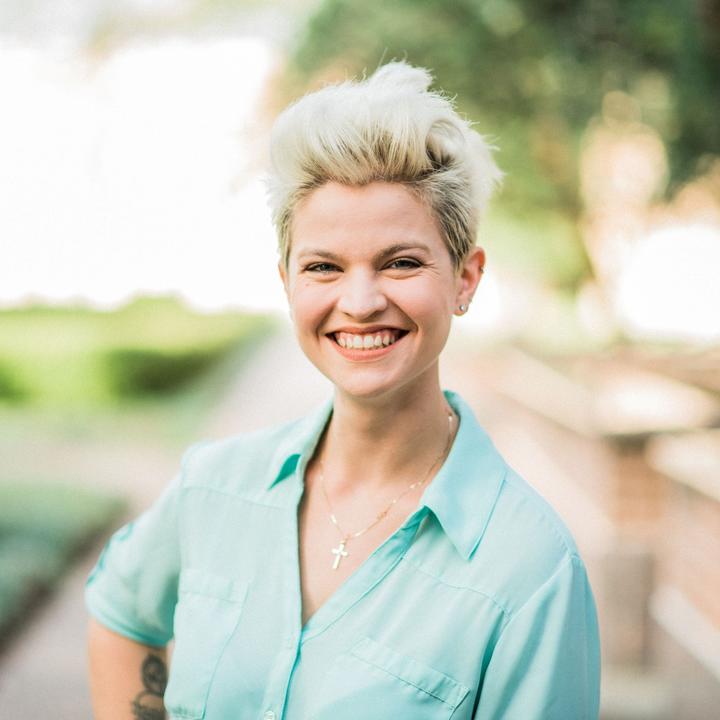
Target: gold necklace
column 340, row 552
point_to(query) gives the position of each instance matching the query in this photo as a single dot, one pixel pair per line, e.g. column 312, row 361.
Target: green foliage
column 42, row 528
column 136, row 372
column 11, row 390
column 549, row 247
column 72, row 356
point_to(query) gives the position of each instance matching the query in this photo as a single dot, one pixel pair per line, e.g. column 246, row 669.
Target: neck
column 385, row 444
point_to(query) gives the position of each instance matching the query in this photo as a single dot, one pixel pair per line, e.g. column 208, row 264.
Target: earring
column 463, row 308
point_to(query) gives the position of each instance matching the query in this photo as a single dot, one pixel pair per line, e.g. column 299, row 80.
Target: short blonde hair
column 388, row 127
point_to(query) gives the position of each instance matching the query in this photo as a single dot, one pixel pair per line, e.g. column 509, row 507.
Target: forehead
column 369, row 217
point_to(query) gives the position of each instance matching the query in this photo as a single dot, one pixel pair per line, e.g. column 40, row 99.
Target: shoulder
column 526, row 543
column 239, row 461
column 523, row 513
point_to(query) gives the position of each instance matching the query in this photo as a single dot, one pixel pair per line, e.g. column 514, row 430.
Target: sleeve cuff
column 107, row 614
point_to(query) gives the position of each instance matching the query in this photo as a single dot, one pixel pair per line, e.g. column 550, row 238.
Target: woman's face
column 372, row 288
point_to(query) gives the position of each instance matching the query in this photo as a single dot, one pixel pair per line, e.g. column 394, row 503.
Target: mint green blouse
column 477, row 607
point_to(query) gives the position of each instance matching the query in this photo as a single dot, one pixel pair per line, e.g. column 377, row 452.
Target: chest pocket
column 375, row 681
column 206, row 615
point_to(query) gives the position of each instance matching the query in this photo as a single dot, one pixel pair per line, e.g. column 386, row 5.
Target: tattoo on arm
column 148, row 704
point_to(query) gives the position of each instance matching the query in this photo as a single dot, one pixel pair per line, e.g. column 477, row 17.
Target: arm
column 127, row 679
column 131, row 595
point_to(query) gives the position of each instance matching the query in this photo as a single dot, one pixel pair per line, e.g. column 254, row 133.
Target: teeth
column 367, row 342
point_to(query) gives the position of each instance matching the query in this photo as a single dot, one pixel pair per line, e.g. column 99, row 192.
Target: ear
column 468, row 278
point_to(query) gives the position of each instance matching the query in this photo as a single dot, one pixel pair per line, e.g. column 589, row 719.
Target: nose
column 361, row 295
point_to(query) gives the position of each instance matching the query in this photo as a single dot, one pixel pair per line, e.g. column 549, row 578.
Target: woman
column 377, row 559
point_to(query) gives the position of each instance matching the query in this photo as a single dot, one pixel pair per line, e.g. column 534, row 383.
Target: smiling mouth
column 367, row 341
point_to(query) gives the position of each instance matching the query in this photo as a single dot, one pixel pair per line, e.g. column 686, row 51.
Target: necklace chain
column 340, row 551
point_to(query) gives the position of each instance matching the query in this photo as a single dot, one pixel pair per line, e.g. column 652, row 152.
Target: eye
column 404, row 264
column 321, row 267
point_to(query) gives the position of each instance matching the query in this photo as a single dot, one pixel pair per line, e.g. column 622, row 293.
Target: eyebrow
column 318, row 253
column 387, row 252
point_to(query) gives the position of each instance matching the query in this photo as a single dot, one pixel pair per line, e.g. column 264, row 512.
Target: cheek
column 309, row 305
column 427, row 303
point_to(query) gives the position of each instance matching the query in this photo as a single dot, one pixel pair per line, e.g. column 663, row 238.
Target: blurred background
column 140, row 308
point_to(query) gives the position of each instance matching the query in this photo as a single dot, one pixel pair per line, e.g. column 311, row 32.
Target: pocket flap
column 199, row 582
column 411, row 671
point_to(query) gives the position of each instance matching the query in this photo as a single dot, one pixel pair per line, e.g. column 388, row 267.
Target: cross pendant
column 339, row 553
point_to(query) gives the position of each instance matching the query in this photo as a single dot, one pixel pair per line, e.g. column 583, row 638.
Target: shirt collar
column 462, row 495
column 464, row 492
column 299, row 439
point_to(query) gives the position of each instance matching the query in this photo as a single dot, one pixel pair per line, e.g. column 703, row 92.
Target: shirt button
column 269, row 715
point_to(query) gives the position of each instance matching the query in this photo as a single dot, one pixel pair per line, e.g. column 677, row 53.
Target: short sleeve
column 132, row 589
column 546, row 663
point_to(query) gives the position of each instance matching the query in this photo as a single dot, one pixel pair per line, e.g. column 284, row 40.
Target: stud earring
column 463, row 308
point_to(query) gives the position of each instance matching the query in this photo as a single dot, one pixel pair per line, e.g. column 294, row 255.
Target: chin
column 363, row 393
column 363, row 388
column 375, row 388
